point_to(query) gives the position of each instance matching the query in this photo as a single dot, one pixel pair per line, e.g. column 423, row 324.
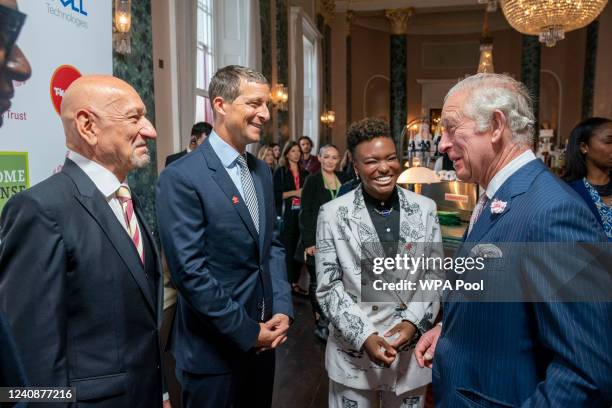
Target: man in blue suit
column 494, row 354
column 216, row 217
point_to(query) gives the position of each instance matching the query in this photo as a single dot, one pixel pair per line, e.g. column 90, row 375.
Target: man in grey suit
column 540, row 353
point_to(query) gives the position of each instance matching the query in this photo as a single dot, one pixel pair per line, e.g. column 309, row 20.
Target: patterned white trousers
column 341, row 396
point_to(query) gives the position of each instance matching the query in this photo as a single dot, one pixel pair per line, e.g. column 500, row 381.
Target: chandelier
column 485, row 64
column 550, row 19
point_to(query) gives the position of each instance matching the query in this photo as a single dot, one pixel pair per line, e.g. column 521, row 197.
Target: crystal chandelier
column 550, row 19
column 485, row 64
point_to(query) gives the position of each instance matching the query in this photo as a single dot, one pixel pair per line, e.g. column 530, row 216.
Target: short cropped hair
column 364, row 131
column 201, row 127
column 226, row 82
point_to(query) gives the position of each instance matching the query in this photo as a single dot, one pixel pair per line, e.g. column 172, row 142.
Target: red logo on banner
column 61, row 79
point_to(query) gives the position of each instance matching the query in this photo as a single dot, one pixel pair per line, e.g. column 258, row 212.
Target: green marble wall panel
column 398, row 93
column 349, row 80
column 282, row 56
column 530, row 72
column 266, row 38
column 136, row 68
column 590, row 61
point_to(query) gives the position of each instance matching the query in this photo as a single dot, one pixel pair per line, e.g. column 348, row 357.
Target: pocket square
column 486, row 251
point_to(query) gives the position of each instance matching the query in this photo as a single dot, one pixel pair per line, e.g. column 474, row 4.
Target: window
column 311, row 117
column 204, row 60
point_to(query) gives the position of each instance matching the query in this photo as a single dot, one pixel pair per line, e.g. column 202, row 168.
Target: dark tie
column 250, row 196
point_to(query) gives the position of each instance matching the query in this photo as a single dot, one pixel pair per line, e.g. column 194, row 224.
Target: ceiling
column 371, row 5
column 430, row 16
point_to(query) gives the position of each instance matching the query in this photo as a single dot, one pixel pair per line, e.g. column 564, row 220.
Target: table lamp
column 417, row 175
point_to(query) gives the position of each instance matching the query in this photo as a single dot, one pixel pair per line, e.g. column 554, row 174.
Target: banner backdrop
column 62, row 39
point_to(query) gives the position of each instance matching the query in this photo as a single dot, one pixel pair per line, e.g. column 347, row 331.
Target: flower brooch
column 498, row 206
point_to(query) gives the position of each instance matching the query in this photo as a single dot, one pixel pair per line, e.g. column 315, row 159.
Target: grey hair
column 325, row 147
column 226, row 82
column 490, row 92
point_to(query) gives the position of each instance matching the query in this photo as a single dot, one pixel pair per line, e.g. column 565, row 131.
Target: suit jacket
column 222, row 268
column 84, row 310
column 314, row 195
column 174, row 157
column 513, row 354
column 11, row 369
column 345, row 234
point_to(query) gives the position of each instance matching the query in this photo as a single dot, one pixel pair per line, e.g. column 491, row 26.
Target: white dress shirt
column 104, row 180
column 507, row 171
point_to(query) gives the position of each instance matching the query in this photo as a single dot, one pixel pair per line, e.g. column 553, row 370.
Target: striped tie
column 125, row 198
column 477, row 211
column 250, row 196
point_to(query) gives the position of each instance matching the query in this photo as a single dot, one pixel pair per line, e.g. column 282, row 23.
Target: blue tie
column 250, row 196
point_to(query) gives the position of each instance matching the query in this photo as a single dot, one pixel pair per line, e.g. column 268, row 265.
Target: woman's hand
column 291, row 193
column 406, row 332
column 379, row 351
column 310, row 250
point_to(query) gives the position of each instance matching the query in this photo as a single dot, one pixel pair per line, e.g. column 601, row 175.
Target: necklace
column 385, row 212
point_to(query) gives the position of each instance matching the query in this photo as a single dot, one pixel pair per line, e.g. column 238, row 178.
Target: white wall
column 165, row 79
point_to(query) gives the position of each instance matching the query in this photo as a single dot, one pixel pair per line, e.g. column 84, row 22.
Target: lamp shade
column 418, row 175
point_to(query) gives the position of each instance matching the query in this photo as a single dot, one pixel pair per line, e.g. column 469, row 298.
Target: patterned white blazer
column 344, row 233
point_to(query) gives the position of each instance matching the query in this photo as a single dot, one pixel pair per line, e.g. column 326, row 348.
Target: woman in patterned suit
column 369, row 356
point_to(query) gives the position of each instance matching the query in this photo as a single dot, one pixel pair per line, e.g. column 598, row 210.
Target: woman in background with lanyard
column 319, row 188
column 288, row 182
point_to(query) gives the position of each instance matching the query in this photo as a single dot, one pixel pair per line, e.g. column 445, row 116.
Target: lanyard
column 296, row 179
column 333, row 193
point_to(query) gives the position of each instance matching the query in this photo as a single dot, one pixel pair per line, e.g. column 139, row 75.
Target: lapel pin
column 498, row 206
column 235, row 200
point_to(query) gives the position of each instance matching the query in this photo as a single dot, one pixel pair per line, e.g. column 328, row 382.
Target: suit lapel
column 157, row 256
column 363, row 228
column 251, row 161
column 95, row 204
column 515, row 185
column 228, row 187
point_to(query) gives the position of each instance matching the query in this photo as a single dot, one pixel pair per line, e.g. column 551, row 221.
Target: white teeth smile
column 383, row 179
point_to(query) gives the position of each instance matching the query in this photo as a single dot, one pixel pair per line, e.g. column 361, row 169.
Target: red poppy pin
column 235, row 200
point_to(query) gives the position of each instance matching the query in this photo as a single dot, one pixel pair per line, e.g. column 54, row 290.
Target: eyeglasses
column 11, row 21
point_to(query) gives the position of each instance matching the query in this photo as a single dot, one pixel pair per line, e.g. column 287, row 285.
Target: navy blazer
column 221, row 266
column 527, row 354
column 84, row 311
column 11, row 369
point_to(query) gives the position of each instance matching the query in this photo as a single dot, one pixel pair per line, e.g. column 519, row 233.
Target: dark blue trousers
column 250, row 385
